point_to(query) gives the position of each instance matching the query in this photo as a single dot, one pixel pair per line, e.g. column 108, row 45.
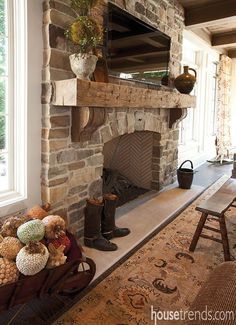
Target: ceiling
column 196, row 3
column 216, row 18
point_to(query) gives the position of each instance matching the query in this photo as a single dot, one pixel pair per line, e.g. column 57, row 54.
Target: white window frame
column 233, row 103
column 25, row 90
column 183, row 141
column 201, row 147
column 17, row 102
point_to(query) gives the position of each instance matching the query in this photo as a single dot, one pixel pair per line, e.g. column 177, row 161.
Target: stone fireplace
column 142, row 140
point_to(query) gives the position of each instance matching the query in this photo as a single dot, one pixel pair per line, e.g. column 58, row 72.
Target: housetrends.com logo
column 205, row 315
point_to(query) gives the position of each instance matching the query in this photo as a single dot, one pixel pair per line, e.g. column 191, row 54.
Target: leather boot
column 92, row 227
column 109, row 229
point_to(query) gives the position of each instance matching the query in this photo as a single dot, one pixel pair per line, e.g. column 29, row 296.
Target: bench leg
column 224, row 236
column 198, row 231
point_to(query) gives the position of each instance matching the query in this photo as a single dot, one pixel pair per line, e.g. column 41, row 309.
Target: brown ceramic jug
column 186, row 81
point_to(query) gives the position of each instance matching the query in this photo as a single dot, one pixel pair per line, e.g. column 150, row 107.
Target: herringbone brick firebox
column 137, row 157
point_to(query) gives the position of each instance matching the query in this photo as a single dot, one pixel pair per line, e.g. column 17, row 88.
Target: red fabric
column 75, row 252
column 62, row 241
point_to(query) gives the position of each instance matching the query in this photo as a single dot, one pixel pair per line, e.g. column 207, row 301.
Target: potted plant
column 83, row 7
column 84, row 35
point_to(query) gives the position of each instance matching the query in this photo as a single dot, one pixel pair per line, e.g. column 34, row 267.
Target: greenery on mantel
column 84, row 34
column 83, row 7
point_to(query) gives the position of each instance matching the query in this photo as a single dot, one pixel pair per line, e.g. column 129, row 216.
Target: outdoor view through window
column 4, row 145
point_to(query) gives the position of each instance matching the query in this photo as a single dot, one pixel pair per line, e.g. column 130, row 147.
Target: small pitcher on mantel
column 186, row 81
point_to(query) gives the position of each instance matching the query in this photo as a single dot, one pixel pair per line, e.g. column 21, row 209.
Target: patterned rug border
column 130, row 253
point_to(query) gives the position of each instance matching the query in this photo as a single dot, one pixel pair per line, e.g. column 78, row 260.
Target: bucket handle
column 185, row 162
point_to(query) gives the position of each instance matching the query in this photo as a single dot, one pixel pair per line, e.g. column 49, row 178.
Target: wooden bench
column 216, row 206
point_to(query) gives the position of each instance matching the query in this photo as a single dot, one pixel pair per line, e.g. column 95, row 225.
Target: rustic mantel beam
column 210, row 14
column 81, row 93
column 89, row 101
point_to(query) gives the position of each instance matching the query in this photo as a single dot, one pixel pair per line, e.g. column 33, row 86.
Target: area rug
column 162, row 274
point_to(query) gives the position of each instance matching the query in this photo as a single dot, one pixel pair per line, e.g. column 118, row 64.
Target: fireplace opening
column 116, row 183
column 131, row 165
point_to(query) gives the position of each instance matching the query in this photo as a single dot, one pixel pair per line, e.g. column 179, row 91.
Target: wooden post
column 234, row 167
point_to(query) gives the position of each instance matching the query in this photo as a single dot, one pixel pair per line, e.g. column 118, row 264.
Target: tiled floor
column 208, row 173
column 153, row 211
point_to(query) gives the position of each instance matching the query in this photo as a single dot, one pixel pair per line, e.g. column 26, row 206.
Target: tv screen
column 135, row 50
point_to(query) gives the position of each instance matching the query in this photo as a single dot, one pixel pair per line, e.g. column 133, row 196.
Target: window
column 13, row 67
column 4, row 112
column 212, row 97
column 233, row 103
column 20, row 109
column 187, row 125
column 197, row 130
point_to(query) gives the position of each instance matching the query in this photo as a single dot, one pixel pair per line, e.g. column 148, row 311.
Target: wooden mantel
column 90, row 99
column 81, row 93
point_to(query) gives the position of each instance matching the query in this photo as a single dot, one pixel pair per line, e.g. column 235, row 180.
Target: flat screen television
column 135, row 50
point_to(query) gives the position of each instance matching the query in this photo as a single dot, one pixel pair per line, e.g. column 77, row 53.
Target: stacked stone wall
column 71, row 172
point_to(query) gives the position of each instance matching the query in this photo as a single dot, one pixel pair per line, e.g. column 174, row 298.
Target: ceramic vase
column 186, row 81
column 83, row 65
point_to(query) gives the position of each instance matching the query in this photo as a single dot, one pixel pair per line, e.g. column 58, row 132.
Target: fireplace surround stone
column 71, row 171
column 75, row 171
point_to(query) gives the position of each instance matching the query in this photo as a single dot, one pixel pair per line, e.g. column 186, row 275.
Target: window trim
column 17, row 102
column 20, row 96
column 27, row 105
column 202, row 146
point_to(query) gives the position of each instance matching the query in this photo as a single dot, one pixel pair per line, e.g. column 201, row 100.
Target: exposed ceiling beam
column 224, row 39
column 139, row 52
column 146, row 65
column 232, row 54
column 140, row 38
column 139, row 58
column 210, row 14
column 153, row 42
column 118, row 27
column 139, row 68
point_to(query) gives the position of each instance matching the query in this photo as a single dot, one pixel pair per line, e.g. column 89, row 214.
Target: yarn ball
column 31, row 231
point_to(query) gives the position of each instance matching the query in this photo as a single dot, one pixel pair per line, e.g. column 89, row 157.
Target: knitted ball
column 32, row 258
column 10, row 247
column 31, row 231
column 8, row 271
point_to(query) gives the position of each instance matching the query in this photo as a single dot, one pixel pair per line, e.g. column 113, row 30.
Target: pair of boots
column 99, row 223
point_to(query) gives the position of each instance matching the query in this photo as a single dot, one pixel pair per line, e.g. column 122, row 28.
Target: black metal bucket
column 185, row 176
